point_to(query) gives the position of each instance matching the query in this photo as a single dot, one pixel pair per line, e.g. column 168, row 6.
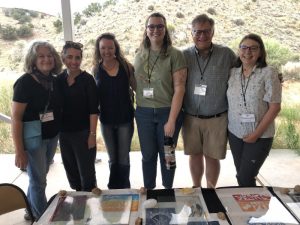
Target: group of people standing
column 205, row 89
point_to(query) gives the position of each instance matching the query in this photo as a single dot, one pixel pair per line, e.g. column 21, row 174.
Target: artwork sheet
column 188, row 208
column 291, row 200
column 111, row 207
column 253, row 206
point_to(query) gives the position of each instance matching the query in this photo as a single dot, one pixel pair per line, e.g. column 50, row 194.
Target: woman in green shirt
column 160, row 71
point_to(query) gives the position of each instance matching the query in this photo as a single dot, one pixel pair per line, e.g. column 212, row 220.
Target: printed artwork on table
column 115, row 203
column 69, row 208
column 252, row 202
column 204, row 223
column 115, row 209
column 159, row 216
column 266, row 223
column 295, row 197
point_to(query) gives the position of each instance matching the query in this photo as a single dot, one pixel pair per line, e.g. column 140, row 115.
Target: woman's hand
column 21, row 160
column 169, row 129
column 250, row 138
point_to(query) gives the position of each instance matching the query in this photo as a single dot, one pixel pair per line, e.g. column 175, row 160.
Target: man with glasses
column 205, row 125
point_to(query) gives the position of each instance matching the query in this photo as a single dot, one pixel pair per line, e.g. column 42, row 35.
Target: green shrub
column 25, row 31
column 33, row 14
column 287, row 135
column 8, row 33
column 212, row 11
column 58, row 25
column 6, row 144
column 6, row 92
column 109, row 2
column 92, row 9
column 77, row 18
column 278, row 54
column 16, row 54
column 22, row 15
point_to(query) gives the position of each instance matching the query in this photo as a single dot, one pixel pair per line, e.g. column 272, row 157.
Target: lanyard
column 150, row 72
column 205, row 66
column 244, row 87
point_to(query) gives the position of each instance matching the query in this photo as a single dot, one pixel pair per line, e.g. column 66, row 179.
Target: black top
column 113, row 91
column 28, row 90
column 80, row 101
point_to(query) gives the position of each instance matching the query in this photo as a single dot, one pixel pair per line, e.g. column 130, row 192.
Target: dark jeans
column 150, row 124
column 248, row 158
column 78, row 160
column 117, row 140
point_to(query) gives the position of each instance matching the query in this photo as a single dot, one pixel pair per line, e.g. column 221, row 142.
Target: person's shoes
column 27, row 216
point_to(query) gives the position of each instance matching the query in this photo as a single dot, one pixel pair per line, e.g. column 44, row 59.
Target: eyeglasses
column 159, row 27
column 206, row 32
column 72, row 44
column 252, row 48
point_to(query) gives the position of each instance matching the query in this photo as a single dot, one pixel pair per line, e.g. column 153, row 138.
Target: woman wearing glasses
column 160, row 71
column 254, row 97
column 80, row 112
column 36, row 112
column 115, row 81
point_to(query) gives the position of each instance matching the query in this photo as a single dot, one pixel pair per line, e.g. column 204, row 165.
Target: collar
column 254, row 69
column 197, row 51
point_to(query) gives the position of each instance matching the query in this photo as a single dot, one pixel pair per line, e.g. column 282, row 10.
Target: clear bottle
column 169, row 150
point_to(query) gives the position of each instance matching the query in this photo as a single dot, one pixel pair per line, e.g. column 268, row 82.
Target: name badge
column 148, row 92
column 200, row 89
column 45, row 117
column 247, row 118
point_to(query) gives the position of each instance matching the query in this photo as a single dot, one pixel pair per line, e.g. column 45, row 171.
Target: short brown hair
column 203, row 18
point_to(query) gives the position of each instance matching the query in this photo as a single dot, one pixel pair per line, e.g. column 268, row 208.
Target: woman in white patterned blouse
column 254, row 99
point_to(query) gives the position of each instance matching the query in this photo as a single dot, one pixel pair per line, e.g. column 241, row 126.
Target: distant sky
column 52, row 7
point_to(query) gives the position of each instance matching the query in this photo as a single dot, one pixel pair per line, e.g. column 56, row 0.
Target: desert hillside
column 279, row 20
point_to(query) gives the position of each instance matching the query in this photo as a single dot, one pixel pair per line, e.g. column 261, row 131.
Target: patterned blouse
column 251, row 95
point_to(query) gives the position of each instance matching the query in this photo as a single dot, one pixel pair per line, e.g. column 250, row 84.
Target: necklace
column 110, row 68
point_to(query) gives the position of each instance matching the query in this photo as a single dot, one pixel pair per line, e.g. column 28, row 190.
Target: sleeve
column 21, row 92
column 92, row 95
column 178, row 60
column 273, row 87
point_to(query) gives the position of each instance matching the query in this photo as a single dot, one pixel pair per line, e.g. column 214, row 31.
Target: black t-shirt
column 28, row 90
column 80, row 100
column 115, row 103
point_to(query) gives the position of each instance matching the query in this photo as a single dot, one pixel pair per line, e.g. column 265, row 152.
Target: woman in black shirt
column 35, row 120
column 115, row 81
column 80, row 113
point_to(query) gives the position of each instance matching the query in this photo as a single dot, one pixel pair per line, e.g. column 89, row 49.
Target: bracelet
column 93, row 133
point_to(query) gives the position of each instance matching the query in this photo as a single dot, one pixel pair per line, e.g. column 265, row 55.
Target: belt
column 208, row 117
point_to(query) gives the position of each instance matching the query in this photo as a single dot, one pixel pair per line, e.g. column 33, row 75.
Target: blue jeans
column 39, row 160
column 117, row 140
column 150, row 124
column 78, row 160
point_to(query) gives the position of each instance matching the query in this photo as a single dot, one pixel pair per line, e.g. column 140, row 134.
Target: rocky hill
column 279, row 20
